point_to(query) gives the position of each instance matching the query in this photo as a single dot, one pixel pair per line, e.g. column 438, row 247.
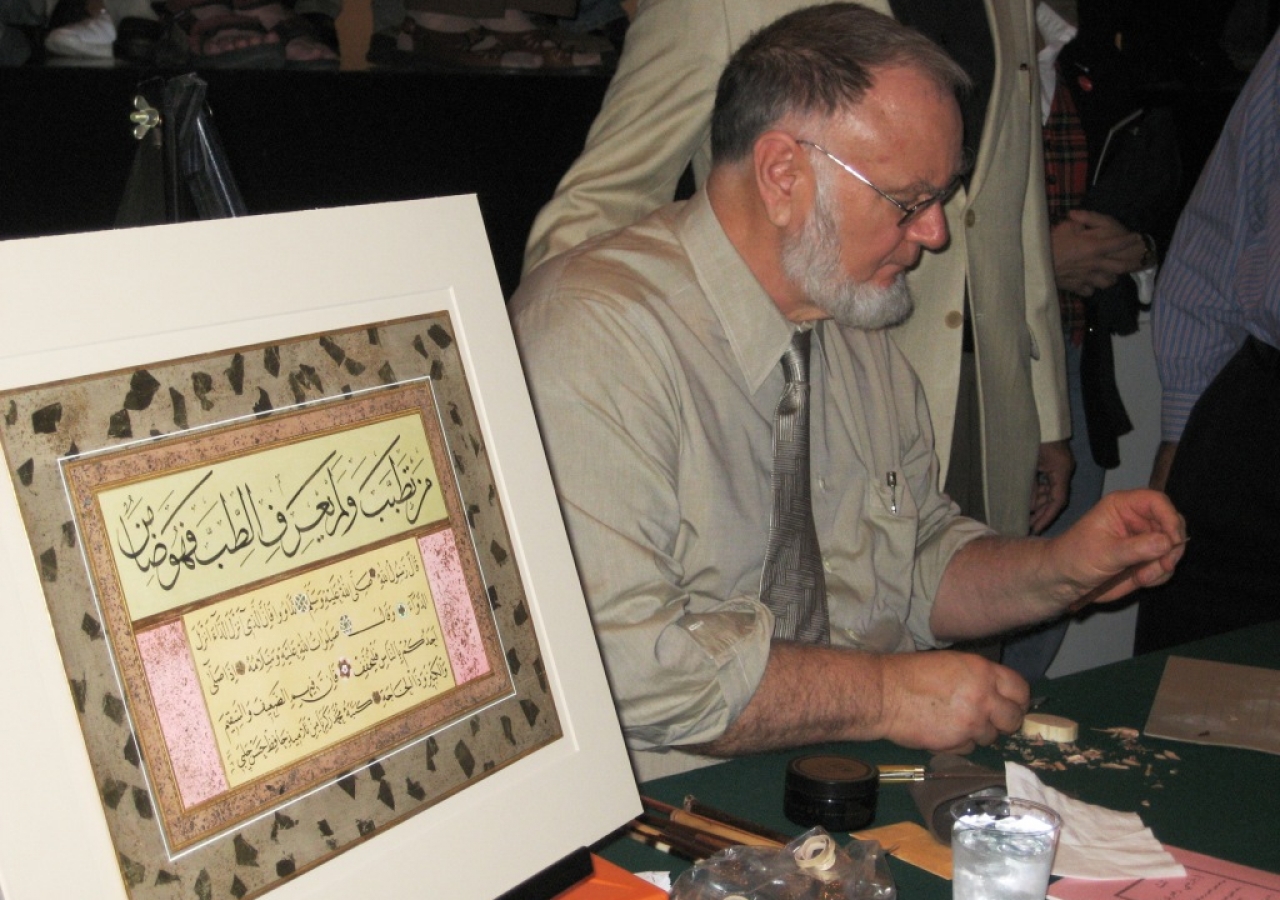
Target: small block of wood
column 1051, row 728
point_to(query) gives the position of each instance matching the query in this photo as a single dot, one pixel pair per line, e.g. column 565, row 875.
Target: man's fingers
column 1010, row 702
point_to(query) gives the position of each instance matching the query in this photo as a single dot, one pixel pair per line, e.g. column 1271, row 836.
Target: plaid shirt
column 1066, row 176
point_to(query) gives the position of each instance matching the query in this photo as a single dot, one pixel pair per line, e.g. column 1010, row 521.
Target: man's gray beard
column 811, row 259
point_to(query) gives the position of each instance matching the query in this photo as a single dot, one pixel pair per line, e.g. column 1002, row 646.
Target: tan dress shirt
column 653, row 359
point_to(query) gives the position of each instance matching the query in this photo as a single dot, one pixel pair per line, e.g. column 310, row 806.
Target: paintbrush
column 900, row 774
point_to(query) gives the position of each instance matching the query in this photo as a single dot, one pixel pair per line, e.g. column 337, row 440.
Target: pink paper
column 1207, row 879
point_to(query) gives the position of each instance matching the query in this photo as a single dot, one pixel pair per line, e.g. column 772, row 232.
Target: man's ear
column 782, row 176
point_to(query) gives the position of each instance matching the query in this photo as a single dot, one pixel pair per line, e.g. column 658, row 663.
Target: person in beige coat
column 655, row 120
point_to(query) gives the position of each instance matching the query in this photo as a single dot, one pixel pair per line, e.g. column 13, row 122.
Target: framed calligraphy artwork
column 292, row 609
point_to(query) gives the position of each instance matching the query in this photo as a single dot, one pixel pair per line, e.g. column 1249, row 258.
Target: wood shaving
column 1116, row 749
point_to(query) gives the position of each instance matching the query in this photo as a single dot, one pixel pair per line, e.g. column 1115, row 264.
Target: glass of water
column 1002, row 848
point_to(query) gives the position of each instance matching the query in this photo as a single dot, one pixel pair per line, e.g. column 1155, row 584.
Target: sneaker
column 90, row 38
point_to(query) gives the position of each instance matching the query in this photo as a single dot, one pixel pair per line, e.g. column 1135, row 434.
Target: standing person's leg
column 1030, row 654
column 964, row 470
column 1225, row 481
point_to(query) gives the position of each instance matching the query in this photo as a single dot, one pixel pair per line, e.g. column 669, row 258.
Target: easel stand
column 180, row 170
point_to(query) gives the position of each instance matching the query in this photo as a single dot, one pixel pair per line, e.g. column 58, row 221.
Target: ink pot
column 836, row 792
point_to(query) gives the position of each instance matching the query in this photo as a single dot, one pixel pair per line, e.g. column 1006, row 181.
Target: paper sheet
column 1204, row 702
column 1096, row 843
column 1207, row 879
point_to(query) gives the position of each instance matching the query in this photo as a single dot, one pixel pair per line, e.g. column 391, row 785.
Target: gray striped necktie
column 792, row 585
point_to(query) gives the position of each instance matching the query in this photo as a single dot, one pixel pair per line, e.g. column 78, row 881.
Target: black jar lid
column 835, row 792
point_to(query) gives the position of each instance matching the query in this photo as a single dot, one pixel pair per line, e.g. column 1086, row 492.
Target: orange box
column 611, row 882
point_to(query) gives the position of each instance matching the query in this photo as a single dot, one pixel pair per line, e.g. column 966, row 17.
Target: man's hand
column 1091, row 250
column 1129, row 540
column 1162, row 464
column 1054, row 466
column 950, row 702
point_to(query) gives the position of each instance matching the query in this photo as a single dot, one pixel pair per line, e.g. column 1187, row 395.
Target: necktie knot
column 795, row 361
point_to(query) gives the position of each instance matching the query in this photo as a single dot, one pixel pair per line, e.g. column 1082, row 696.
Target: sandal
column 479, row 49
column 305, row 46
column 559, row 52
column 416, row 47
column 205, row 34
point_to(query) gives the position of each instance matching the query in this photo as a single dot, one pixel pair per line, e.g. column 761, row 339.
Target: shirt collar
column 756, row 330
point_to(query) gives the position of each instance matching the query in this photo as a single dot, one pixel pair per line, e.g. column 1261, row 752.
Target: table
column 1214, row 800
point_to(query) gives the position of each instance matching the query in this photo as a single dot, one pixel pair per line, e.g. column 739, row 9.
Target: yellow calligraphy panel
column 298, row 666
column 187, row 535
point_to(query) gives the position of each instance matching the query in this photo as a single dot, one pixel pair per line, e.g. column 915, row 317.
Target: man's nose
column 929, row 229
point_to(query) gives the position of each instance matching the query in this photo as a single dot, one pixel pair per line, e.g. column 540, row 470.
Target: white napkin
column 1096, row 842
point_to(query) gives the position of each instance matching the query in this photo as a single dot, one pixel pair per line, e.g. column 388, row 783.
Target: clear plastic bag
column 811, row 867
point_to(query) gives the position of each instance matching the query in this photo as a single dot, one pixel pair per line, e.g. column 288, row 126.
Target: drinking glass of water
column 1002, row 848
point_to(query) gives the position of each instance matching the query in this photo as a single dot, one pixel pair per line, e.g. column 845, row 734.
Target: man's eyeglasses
column 909, row 211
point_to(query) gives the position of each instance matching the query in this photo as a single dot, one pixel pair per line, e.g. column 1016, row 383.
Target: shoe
column 89, row 38
column 136, row 40
column 324, row 29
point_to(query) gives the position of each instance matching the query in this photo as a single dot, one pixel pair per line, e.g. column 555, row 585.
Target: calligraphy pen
column 692, row 835
column 661, row 839
column 695, row 806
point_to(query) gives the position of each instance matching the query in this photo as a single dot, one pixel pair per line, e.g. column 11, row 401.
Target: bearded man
column 759, row 570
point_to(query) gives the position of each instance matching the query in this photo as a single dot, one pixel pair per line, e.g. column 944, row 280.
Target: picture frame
column 86, row 313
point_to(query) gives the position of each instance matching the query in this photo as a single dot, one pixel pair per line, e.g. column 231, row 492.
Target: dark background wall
column 299, row 140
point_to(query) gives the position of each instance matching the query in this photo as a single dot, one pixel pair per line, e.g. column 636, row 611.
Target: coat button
column 954, row 319
column 969, row 218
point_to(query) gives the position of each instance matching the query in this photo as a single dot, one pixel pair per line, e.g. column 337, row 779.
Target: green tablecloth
column 1214, row 800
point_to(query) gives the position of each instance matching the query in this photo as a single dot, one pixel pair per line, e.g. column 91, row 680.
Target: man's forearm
column 809, row 694
column 937, row 700
column 1162, row 463
column 997, row 584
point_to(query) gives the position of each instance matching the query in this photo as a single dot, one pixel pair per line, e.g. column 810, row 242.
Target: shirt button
column 970, row 217
column 822, row 483
column 954, row 319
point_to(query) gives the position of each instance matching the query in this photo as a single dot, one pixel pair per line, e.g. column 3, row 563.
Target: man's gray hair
column 816, row 61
